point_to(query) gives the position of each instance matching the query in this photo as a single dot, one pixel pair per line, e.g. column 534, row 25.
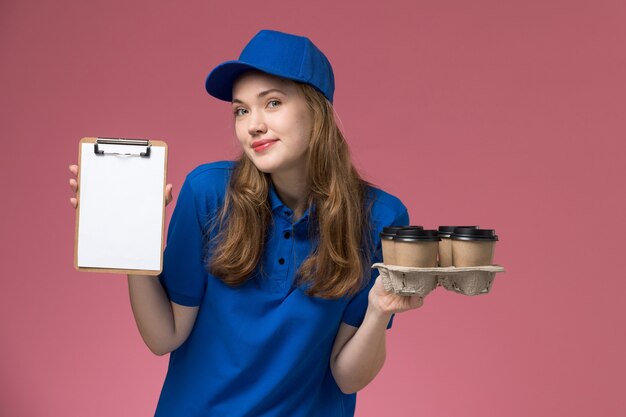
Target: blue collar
column 279, row 208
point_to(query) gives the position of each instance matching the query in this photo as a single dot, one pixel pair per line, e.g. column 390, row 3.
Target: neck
column 292, row 190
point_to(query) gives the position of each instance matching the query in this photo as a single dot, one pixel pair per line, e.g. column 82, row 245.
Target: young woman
column 267, row 301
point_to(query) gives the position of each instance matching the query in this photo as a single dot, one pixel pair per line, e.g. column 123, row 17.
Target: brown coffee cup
column 416, row 248
column 388, row 244
column 445, row 245
column 472, row 246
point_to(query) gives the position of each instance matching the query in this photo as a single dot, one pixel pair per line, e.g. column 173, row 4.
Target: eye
column 273, row 103
column 239, row 111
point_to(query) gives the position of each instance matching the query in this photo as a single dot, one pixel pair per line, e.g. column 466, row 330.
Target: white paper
column 121, row 208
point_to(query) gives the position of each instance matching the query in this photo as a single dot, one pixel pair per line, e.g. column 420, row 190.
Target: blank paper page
column 120, row 208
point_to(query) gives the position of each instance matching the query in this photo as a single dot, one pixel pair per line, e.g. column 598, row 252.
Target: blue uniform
column 262, row 349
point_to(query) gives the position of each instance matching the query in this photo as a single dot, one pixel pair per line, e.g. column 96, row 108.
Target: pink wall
column 508, row 114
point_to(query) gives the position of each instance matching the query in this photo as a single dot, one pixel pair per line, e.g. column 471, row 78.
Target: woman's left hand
column 389, row 302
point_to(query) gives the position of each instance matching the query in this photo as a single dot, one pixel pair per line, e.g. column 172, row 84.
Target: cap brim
column 219, row 82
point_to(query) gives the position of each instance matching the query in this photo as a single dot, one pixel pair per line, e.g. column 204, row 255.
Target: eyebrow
column 262, row 94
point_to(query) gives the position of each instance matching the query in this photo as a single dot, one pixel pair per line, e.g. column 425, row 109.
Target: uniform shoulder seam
column 211, row 166
column 386, row 199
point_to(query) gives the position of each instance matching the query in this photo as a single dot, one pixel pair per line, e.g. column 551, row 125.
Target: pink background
column 506, row 114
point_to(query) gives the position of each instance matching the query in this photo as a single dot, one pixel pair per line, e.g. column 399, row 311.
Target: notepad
column 121, row 205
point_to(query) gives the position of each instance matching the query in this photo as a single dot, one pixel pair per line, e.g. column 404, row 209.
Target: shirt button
column 287, row 235
column 281, row 261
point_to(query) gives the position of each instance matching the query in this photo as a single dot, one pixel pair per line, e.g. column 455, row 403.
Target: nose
column 256, row 124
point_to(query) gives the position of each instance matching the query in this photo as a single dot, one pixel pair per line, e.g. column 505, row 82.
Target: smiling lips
column 261, row 145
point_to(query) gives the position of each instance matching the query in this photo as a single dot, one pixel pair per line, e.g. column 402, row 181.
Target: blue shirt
column 261, row 349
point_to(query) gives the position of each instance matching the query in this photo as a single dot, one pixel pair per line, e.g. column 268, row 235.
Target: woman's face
column 272, row 122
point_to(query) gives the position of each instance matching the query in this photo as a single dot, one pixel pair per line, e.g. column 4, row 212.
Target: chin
column 273, row 164
column 265, row 165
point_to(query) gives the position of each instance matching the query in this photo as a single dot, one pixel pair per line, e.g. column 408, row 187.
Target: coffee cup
column 445, row 245
column 388, row 244
column 472, row 246
column 415, row 247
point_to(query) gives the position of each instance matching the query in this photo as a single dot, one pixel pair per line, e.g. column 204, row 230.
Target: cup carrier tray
column 405, row 280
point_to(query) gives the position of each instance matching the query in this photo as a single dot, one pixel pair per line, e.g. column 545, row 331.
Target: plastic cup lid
column 468, row 233
column 390, row 231
column 414, row 235
column 446, row 231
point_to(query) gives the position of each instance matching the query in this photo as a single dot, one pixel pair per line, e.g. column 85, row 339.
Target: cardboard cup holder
column 470, row 280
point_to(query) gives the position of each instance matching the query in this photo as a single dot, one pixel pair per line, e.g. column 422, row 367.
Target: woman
column 267, row 302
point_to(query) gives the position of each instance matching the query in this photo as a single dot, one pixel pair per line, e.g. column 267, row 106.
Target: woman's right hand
column 74, row 187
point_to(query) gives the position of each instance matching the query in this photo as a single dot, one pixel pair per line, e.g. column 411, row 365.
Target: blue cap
column 276, row 53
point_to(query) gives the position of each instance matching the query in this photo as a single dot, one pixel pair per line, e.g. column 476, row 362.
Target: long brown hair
column 340, row 260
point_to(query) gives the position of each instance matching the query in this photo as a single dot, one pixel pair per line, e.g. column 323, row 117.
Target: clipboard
column 120, row 218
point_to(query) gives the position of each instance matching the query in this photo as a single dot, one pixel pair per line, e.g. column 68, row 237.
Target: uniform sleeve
column 356, row 308
column 184, row 275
